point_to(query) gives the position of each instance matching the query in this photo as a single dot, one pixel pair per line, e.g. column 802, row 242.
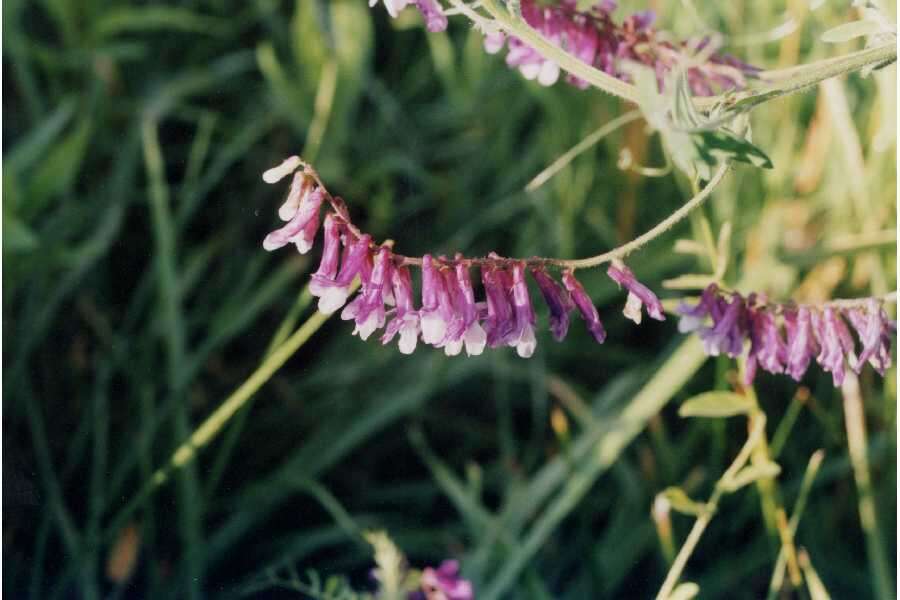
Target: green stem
column 777, row 83
column 214, row 423
column 856, row 443
column 759, row 427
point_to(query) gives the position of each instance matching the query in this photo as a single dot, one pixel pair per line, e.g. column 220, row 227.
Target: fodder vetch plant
column 801, row 291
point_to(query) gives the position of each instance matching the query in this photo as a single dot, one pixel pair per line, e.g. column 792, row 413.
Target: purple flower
column 638, row 295
column 474, row 336
column 367, row 309
column 333, row 291
column 444, row 583
column 558, row 301
column 835, row 342
column 433, row 316
column 500, row 323
column 523, row 339
column 692, row 318
column 767, row 347
column 800, row 340
column 406, row 319
column 585, row 306
column 874, row 329
column 435, row 19
column 302, row 227
column 727, row 333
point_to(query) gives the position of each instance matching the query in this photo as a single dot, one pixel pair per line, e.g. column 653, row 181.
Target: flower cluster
column 805, row 333
column 596, row 39
column 448, row 315
column 443, row 583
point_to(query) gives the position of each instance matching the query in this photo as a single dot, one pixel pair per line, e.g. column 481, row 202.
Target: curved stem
column 663, row 226
column 777, row 82
column 535, row 261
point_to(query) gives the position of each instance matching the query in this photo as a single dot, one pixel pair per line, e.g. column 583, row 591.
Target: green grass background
column 137, row 297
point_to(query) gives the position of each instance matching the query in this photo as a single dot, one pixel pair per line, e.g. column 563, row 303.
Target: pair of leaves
column 696, row 143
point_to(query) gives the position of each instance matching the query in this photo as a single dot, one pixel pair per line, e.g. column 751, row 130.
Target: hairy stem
column 777, row 82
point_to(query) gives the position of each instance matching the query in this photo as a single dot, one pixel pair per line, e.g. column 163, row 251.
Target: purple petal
column 558, row 301
column 585, row 306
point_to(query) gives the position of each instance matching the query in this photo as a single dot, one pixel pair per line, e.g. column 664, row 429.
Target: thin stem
column 582, row 146
column 712, row 505
column 214, row 423
column 777, row 83
column 856, row 443
column 581, row 263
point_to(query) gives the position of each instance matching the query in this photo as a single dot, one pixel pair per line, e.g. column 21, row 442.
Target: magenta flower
column 558, row 301
column 874, row 329
column 767, row 347
column 302, row 227
column 523, row 338
column 333, row 292
column 726, row 336
column 692, row 319
column 500, row 322
column 585, row 306
column 406, row 319
column 801, row 341
column 367, row 309
column 435, row 19
column 474, row 336
column 433, row 316
column 444, row 583
column 638, row 295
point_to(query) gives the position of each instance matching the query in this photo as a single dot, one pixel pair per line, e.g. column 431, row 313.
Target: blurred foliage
column 137, row 296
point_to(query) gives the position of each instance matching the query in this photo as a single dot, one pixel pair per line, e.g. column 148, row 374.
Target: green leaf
column 851, row 31
column 157, row 18
column 716, row 404
column 724, row 144
column 681, row 502
column 17, row 236
column 685, row 591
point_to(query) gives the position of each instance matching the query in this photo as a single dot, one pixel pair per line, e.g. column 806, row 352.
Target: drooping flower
column 558, row 301
column 800, row 339
column 767, row 347
column 585, row 306
column 874, row 329
column 523, row 338
column 302, row 227
column 433, row 316
column 474, row 336
column 435, row 19
column 333, row 291
column 367, row 309
column 500, row 322
column 443, row 583
column 638, row 295
column 406, row 319
column 593, row 37
column 726, row 336
column 692, row 318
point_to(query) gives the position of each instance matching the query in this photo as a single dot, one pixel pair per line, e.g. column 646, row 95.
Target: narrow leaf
column 716, row 404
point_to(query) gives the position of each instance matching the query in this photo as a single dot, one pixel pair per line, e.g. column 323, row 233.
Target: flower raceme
column 592, row 36
column 808, row 332
column 779, row 338
column 449, row 316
